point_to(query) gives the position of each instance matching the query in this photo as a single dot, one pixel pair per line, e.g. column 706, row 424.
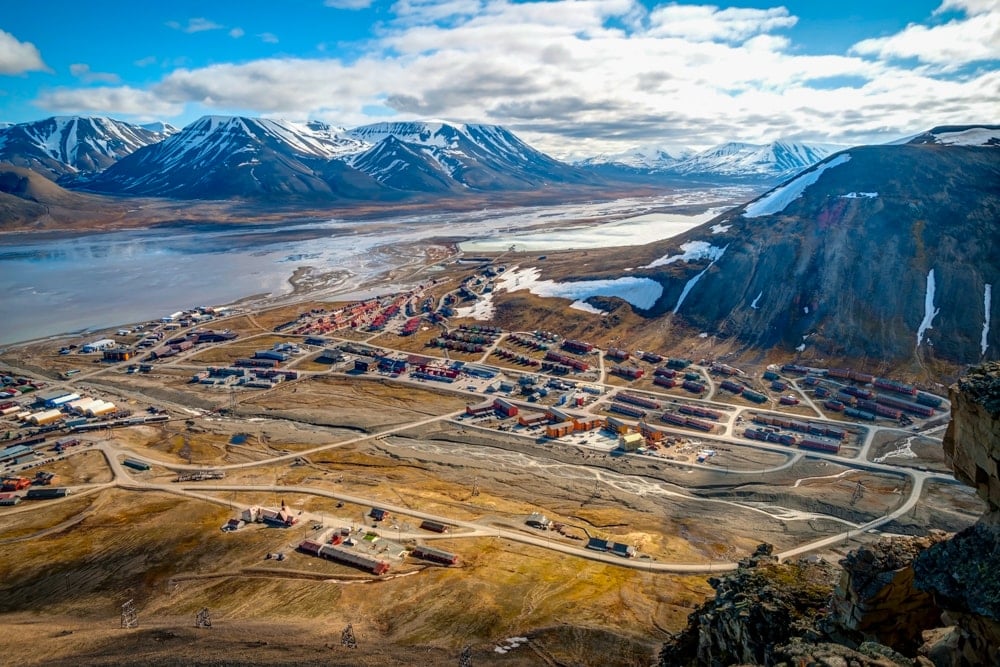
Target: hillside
column 28, row 198
column 881, row 252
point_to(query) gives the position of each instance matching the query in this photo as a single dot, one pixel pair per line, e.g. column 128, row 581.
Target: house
column 539, row 521
column 378, row 514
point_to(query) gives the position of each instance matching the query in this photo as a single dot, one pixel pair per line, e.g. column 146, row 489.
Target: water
column 94, row 281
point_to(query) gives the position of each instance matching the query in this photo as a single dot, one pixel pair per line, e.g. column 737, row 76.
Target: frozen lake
column 53, row 285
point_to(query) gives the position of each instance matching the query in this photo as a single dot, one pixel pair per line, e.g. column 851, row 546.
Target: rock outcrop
column 963, row 573
column 876, row 599
column 762, row 605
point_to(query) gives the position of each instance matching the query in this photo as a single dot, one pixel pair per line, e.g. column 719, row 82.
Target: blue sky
column 574, row 77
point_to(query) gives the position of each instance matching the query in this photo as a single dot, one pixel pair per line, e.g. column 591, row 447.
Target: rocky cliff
column 927, row 601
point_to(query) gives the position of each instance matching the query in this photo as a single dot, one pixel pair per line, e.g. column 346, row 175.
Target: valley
column 388, row 420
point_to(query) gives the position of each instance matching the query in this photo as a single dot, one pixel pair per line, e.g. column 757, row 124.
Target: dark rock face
column 845, row 273
column 760, row 606
column 972, row 443
column 876, row 598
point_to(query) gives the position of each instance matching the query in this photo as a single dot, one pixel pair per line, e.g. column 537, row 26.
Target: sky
column 572, row 77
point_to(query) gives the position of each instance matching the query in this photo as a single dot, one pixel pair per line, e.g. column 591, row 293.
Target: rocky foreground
column 923, row 601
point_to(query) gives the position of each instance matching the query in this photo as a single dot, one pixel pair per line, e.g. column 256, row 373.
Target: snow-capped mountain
column 777, row 160
column 479, row 157
column 960, row 135
column 166, row 129
column 218, row 156
column 232, row 156
column 730, row 161
column 64, row 145
column 653, row 158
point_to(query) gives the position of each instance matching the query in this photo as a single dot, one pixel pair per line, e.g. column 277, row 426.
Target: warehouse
column 45, row 417
column 52, row 399
column 100, row 409
column 479, row 409
column 99, row 345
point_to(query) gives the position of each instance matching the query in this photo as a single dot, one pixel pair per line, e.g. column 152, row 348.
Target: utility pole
column 203, row 619
column 130, row 617
column 347, row 637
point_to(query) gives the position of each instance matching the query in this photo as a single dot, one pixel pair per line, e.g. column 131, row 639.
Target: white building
column 99, row 345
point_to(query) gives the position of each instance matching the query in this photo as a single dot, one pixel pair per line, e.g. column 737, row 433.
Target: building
column 505, row 407
column 7, row 499
column 118, row 353
column 631, row 441
column 53, row 399
column 559, row 430
column 540, row 521
column 45, row 417
column 378, row 514
column 99, row 345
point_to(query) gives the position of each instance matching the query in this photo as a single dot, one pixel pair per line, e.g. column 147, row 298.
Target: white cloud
column 83, row 72
column 973, row 38
column 236, row 33
column 348, row 4
column 18, row 57
column 145, row 62
column 195, row 25
column 123, row 100
column 268, row 37
column 588, row 76
column 705, row 22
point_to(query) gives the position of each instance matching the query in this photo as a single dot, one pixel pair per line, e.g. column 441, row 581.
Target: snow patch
column 930, row 312
column 691, row 283
column 640, row 292
column 483, row 309
column 586, row 307
column 805, row 310
column 754, row 304
column 975, row 136
column 776, row 200
column 719, row 229
column 859, row 195
column 800, row 348
column 693, row 251
column 987, row 304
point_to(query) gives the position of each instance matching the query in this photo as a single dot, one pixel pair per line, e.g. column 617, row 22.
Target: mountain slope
column 218, row 156
column 776, row 160
column 27, row 197
column 478, row 157
column 64, row 145
column 881, row 251
column 732, row 161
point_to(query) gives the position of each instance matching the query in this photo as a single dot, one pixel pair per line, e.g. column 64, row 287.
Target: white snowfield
column 859, row 195
column 640, row 292
column 930, row 312
column 720, row 229
column 987, row 304
column 693, row 251
column 974, row 136
column 776, row 200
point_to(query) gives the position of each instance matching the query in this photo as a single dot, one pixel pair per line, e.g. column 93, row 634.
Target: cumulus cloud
column 578, row 76
column 83, row 72
column 348, row 4
column 975, row 37
column 17, row 57
column 236, row 33
column 705, row 22
column 195, row 25
column 123, row 100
